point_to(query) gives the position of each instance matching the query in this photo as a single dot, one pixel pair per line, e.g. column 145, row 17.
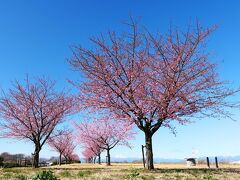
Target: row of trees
column 103, row 134
column 9, row 160
column 33, row 111
column 137, row 77
column 64, row 144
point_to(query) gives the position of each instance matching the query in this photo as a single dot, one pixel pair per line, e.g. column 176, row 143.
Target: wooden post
column 216, row 162
column 143, row 156
column 208, row 164
column 32, row 159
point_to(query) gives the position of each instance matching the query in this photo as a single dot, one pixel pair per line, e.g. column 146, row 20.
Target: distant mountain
column 175, row 160
column 230, row 159
column 223, row 158
column 135, row 159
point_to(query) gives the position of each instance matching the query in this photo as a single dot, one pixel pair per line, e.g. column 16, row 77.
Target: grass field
column 128, row 171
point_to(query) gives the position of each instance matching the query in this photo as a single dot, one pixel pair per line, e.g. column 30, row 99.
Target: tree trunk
column 149, row 151
column 60, row 159
column 108, row 157
column 94, row 160
column 99, row 158
column 36, row 156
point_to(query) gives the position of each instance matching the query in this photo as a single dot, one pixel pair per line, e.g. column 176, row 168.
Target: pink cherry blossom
column 103, row 134
column 32, row 111
column 151, row 79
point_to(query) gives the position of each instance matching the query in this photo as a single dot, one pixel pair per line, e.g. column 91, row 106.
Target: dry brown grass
column 129, row 171
column 139, row 165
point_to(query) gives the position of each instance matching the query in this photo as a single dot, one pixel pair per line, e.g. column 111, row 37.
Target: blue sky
column 35, row 37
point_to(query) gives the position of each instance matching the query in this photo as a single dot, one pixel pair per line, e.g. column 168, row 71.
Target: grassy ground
column 128, row 171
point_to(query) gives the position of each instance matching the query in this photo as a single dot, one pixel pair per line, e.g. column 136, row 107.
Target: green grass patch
column 21, row 177
column 65, row 174
column 209, row 177
column 12, row 170
column 147, row 177
column 134, row 174
column 84, row 173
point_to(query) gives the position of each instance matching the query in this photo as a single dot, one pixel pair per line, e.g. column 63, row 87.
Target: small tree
column 150, row 79
column 88, row 155
column 68, row 153
column 105, row 134
column 92, row 148
column 32, row 111
column 60, row 143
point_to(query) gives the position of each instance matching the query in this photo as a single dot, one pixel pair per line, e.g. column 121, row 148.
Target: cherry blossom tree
column 68, row 153
column 151, row 79
column 74, row 158
column 92, row 148
column 88, row 155
column 105, row 134
column 60, row 142
column 32, row 111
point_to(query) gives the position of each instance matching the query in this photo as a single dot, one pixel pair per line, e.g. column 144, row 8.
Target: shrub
column 45, row 175
column 54, row 163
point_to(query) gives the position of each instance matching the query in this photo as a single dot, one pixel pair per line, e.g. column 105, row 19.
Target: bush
column 54, row 163
column 45, row 175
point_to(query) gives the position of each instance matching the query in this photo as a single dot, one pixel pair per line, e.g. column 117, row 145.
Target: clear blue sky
column 35, row 37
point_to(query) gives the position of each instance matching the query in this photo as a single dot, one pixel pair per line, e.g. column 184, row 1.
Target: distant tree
column 32, row 111
column 68, row 154
column 105, row 134
column 95, row 148
column 92, row 149
column 60, row 142
column 88, row 155
column 74, row 158
column 151, row 79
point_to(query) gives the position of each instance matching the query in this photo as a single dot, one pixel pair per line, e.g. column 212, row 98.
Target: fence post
column 208, row 164
column 216, row 162
column 143, row 156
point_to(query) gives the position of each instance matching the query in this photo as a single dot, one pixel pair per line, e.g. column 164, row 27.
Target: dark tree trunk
column 36, row 156
column 94, row 160
column 66, row 159
column 108, row 157
column 60, row 159
column 99, row 158
column 149, row 151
